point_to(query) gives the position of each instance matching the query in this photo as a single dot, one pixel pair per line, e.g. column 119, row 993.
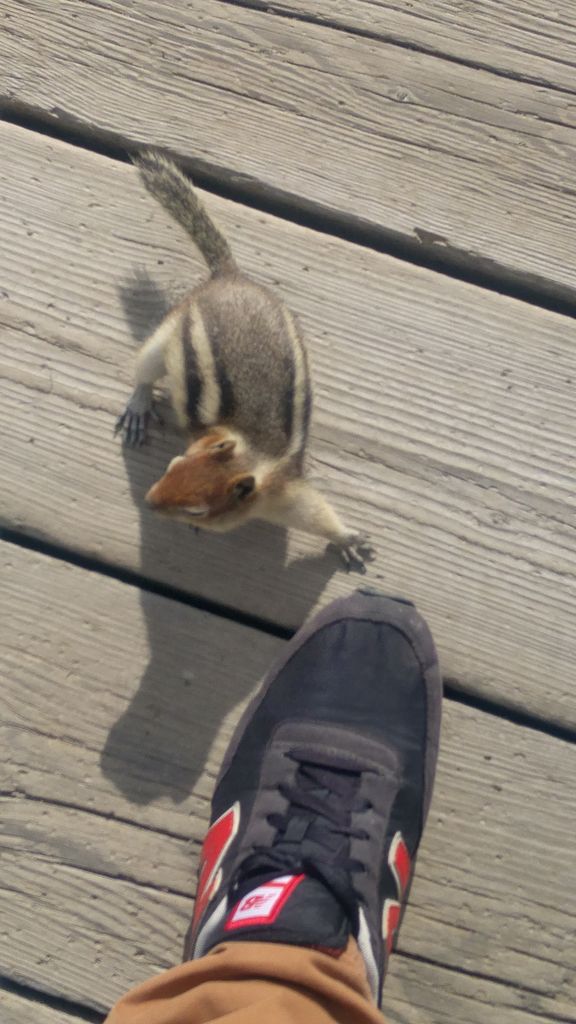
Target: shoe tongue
column 294, row 909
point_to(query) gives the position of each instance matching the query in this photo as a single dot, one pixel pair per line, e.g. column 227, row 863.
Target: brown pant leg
column 255, row 983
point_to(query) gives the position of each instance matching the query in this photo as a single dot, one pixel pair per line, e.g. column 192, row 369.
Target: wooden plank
column 443, row 427
column 531, row 41
column 121, row 935
column 473, row 167
column 105, row 786
column 426, row 994
column 159, row 658
column 16, row 1009
column 86, row 937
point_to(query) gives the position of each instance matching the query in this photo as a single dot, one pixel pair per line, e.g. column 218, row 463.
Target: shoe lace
column 313, row 835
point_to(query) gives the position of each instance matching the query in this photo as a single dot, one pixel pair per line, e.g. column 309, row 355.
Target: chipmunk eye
column 220, row 448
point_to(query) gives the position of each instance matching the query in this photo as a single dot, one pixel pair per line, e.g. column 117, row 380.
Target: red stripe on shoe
column 390, row 922
column 215, row 847
column 400, row 863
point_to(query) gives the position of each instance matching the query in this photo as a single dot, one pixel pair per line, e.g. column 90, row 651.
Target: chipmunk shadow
column 160, row 744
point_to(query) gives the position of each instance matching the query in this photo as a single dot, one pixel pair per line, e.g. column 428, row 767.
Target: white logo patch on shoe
column 263, row 904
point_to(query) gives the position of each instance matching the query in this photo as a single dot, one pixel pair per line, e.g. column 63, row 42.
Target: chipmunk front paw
column 134, row 423
column 355, row 550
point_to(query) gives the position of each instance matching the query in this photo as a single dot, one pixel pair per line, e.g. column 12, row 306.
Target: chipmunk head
column 210, row 486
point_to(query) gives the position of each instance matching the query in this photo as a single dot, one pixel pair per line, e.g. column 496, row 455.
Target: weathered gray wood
column 16, row 1009
column 414, row 995
column 444, row 425
column 83, row 935
column 532, row 41
column 106, row 779
column 101, row 937
column 470, row 165
column 421, row 993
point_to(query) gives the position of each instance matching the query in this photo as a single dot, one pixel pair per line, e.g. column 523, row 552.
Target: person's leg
column 256, row 983
column 317, row 816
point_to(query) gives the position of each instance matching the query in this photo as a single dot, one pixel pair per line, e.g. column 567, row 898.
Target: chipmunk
column 240, row 386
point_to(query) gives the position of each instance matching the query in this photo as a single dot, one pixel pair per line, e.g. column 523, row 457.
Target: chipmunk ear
column 243, row 487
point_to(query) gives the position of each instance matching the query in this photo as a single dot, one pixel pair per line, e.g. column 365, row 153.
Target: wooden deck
column 404, row 175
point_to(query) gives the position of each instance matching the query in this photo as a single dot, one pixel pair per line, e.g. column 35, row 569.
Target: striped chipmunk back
column 241, row 354
column 240, row 384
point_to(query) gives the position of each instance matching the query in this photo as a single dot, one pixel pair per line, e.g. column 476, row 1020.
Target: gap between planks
column 20, row 1004
column 457, row 33
column 150, row 750
column 451, row 161
column 422, row 252
column 452, row 688
column 443, row 423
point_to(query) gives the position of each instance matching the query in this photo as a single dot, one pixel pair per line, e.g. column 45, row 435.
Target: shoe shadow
column 160, row 744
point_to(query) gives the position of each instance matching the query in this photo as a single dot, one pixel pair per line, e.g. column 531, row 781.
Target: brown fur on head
column 210, row 485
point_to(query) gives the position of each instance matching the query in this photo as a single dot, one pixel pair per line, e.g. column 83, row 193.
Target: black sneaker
column 324, row 791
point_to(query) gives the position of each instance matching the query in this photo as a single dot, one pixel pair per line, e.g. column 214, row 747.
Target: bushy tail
column 166, row 182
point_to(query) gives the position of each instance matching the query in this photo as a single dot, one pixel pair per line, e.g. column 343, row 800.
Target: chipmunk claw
column 133, row 427
column 355, row 551
column 134, row 422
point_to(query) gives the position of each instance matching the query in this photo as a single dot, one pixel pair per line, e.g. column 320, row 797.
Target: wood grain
column 428, row 994
column 444, row 422
column 111, row 739
column 531, row 41
column 16, row 1009
column 121, row 935
column 473, row 167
